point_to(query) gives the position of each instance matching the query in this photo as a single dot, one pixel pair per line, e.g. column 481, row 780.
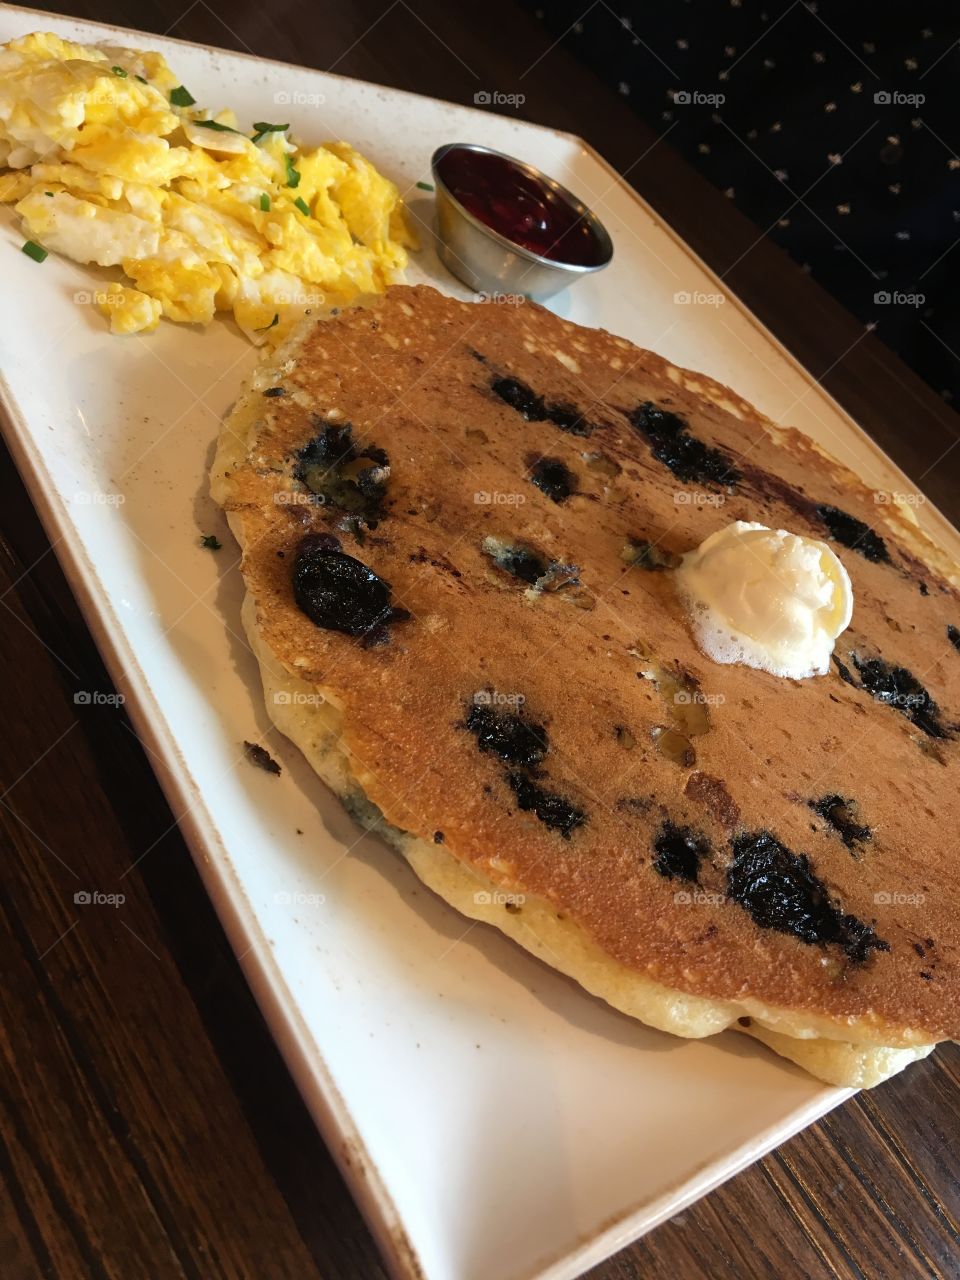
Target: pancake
column 458, row 524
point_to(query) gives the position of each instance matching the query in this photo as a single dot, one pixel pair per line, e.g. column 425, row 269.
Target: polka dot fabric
column 832, row 127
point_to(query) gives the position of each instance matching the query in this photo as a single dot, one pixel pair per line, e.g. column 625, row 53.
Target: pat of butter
column 766, row 598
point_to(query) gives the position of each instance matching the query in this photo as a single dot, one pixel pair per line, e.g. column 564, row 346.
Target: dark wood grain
column 147, row 1124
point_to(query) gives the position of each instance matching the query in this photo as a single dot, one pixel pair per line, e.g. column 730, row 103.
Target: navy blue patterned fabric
column 834, row 127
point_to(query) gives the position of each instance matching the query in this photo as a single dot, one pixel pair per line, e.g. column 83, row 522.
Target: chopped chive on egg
column 263, row 128
column 142, row 79
column 216, row 126
column 181, row 97
column 266, row 327
column 425, row 186
column 34, row 251
column 119, row 71
column 293, row 175
column 302, row 206
column 265, row 203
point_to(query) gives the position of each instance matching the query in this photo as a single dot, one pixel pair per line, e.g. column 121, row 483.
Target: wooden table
column 149, row 1127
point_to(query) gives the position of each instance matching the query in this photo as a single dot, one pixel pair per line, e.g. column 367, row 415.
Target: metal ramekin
column 488, row 262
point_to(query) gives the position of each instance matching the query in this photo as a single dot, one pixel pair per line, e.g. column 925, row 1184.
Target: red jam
column 519, row 206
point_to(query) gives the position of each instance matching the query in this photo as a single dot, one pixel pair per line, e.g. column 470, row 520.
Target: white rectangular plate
column 494, row 1122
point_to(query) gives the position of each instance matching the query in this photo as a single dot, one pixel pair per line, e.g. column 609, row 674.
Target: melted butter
column 684, row 704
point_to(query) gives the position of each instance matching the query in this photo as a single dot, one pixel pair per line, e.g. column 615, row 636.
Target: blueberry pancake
column 460, row 525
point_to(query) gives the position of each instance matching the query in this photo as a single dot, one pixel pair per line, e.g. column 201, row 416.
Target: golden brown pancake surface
column 726, row 832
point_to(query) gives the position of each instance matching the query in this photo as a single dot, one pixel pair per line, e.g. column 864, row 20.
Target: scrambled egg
column 109, row 161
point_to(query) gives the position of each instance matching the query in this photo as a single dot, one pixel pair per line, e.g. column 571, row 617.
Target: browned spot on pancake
column 714, row 796
column 422, row 556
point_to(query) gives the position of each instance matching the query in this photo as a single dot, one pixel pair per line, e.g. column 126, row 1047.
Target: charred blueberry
column 844, row 672
column 319, row 542
column 553, row 810
column 516, row 559
column 340, row 593
column 520, row 397
column 534, row 408
column 506, row 734
column 655, row 421
column 671, row 443
column 899, row 688
column 528, row 565
column 679, row 852
column 953, row 635
column 554, row 478
column 343, row 475
column 380, row 634
column 780, row 891
column 839, row 813
column 569, row 418
column 523, row 564
column 275, row 391
column 853, row 533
